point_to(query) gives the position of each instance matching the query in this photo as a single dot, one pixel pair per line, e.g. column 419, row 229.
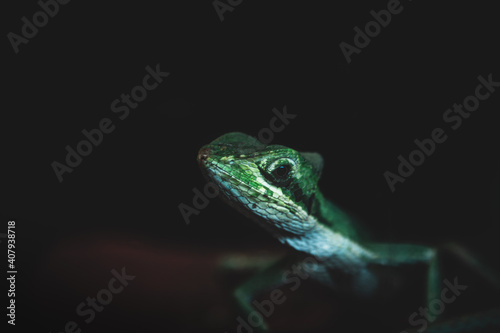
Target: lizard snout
column 203, row 154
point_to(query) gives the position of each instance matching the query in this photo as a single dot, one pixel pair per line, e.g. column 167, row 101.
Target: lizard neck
column 333, row 237
column 330, row 247
column 332, row 217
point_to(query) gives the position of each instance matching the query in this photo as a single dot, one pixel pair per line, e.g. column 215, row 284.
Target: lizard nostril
column 203, row 154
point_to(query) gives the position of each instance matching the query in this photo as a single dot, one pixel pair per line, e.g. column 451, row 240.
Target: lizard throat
column 336, row 249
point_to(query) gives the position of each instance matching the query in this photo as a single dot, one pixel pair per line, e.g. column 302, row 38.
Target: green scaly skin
column 277, row 187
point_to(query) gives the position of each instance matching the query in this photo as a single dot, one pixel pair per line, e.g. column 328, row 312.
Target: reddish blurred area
column 175, row 286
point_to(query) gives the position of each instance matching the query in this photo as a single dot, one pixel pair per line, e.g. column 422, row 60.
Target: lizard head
column 272, row 184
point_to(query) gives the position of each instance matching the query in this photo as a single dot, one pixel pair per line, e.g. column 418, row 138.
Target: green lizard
column 277, row 187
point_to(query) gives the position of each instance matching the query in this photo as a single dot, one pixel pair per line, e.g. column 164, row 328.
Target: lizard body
column 277, row 187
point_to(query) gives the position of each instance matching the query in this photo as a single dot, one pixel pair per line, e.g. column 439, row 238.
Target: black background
column 119, row 207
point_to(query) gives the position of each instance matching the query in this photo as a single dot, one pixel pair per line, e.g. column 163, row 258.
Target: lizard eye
column 281, row 172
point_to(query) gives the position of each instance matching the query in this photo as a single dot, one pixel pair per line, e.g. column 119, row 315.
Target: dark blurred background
column 119, row 207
